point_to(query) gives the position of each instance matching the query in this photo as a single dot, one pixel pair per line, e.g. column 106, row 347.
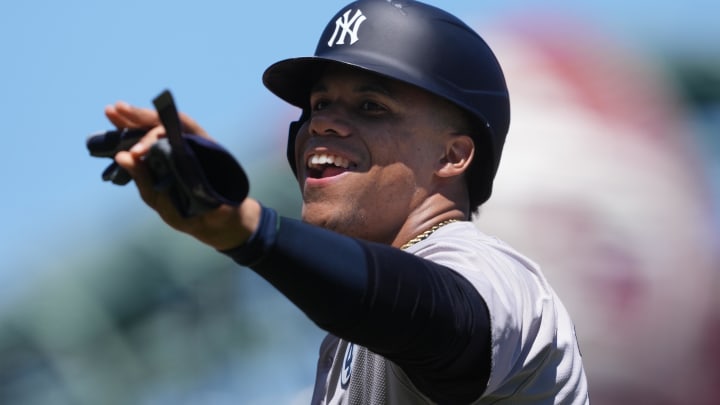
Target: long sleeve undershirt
column 425, row 317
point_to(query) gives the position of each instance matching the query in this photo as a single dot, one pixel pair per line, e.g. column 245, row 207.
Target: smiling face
column 370, row 154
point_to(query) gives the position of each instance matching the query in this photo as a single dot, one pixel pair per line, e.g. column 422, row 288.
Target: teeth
column 325, row 159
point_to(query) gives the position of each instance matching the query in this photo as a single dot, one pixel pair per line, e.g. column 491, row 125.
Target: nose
column 329, row 121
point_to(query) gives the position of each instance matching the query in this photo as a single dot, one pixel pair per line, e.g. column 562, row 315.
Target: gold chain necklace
column 427, row 233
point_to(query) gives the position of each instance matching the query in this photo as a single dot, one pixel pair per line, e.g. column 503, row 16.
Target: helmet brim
column 292, row 79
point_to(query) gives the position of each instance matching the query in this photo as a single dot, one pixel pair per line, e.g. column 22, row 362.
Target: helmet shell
column 417, row 44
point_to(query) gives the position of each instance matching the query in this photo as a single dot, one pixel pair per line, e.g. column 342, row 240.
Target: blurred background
column 611, row 181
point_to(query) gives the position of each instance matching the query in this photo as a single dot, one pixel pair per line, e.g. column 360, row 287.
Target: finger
column 140, row 117
column 133, row 162
column 115, row 118
column 124, row 115
column 140, row 174
column 142, row 146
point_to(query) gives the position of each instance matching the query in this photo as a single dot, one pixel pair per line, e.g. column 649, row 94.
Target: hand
column 223, row 228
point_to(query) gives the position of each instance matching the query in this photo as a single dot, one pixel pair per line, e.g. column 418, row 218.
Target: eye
column 372, row 106
column 320, row 105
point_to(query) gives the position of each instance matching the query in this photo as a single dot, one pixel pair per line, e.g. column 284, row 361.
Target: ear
column 459, row 152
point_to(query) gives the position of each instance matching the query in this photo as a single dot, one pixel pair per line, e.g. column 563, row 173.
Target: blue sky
column 62, row 62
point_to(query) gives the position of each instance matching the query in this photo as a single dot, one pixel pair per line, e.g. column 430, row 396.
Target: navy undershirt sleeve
column 423, row 316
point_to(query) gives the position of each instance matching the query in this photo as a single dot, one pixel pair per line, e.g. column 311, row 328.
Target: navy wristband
column 261, row 241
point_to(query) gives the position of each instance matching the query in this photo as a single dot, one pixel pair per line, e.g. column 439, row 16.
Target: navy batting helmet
column 417, row 44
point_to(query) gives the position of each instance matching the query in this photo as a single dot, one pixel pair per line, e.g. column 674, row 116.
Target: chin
column 347, row 221
column 320, row 214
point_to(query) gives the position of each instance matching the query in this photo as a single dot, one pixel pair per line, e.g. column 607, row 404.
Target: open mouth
column 327, row 165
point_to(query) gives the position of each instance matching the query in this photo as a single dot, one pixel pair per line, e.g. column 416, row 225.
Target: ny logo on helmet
column 349, row 26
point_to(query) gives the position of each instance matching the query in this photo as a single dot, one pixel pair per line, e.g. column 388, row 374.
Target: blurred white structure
column 600, row 183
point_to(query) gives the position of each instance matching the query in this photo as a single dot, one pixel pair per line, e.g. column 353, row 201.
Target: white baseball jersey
column 535, row 355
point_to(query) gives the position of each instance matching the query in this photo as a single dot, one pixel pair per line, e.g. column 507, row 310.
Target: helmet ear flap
column 293, row 130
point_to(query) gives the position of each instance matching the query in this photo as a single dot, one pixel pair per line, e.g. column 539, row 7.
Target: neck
column 421, row 237
column 425, row 218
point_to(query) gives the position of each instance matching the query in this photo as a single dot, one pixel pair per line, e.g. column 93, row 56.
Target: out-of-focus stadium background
column 610, row 182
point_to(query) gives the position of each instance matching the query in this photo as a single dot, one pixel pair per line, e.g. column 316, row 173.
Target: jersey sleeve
column 423, row 316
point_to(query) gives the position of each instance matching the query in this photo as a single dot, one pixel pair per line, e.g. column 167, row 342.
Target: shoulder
column 531, row 330
column 462, row 247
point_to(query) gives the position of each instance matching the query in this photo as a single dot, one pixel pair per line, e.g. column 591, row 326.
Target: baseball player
column 404, row 115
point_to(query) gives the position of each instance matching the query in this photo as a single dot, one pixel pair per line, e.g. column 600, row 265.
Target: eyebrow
column 368, row 87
